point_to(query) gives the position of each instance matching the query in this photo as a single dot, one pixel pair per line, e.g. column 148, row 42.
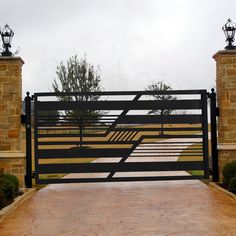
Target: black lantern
column 6, row 35
column 229, row 30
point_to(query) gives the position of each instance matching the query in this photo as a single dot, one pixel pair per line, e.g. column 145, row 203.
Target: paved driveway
column 164, row 208
column 140, row 208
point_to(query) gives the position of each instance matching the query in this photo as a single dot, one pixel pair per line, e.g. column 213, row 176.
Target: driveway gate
column 120, row 136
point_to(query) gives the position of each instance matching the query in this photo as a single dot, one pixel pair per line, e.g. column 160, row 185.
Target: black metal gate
column 113, row 136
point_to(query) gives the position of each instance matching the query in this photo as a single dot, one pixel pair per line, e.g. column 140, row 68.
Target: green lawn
column 193, row 158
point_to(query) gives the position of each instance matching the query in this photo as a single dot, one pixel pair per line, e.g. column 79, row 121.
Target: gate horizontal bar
column 165, row 136
column 155, row 119
column 120, row 105
column 106, row 93
column 118, row 179
column 86, row 142
column 56, row 128
column 162, row 155
column 143, row 144
column 83, row 153
column 119, row 167
column 70, row 135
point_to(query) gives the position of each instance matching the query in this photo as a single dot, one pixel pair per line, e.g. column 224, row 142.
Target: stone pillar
column 12, row 159
column 226, row 97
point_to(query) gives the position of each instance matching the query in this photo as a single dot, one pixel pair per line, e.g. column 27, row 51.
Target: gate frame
column 213, row 109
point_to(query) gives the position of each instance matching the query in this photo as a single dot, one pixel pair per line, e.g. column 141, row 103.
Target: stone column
column 226, row 97
column 12, row 159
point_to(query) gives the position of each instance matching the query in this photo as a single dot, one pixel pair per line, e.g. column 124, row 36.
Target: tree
column 161, row 86
column 78, row 76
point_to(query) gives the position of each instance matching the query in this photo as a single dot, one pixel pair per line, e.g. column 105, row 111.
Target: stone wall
column 12, row 159
column 226, row 97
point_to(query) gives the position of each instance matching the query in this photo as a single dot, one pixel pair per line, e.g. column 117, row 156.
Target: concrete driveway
column 137, row 208
column 164, row 208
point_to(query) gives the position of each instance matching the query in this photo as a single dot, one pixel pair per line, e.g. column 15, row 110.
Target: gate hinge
column 23, row 119
column 217, row 111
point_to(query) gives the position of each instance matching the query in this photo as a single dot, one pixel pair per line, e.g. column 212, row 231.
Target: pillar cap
column 226, row 146
column 227, row 53
column 11, row 154
column 17, row 59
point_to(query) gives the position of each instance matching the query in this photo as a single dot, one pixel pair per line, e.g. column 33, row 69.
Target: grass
column 193, row 158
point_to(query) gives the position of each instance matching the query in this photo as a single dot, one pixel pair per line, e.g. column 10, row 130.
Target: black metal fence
column 113, row 136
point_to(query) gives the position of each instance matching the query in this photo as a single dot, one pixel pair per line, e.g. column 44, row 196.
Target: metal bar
column 85, row 142
column 158, row 129
column 114, row 136
column 119, row 137
column 36, row 136
column 69, row 135
column 55, row 124
column 155, row 119
column 141, row 151
column 205, row 135
column 127, row 133
column 166, row 136
column 127, row 137
column 119, row 167
column 28, row 176
column 149, row 144
column 118, row 179
column 75, row 128
column 120, row 105
column 166, row 142
column 119, row 156
column 162, row 155
column 82, row 152
column 175, row 148
column 133, row 136
column 214, row 151
column 104, row 93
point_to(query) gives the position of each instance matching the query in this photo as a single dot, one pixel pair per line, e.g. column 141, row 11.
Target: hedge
column 9, row 188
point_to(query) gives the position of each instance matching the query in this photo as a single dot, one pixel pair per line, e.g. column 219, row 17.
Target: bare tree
column 161, row 86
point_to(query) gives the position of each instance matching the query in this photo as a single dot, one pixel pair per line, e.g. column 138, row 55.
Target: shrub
column 232, row 184
column 228, row 172
column 3, row 199
column 14, row 180
column 7, row 187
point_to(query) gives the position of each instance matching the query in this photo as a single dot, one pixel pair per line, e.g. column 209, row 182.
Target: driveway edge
column 17, row 201
column 220, row 189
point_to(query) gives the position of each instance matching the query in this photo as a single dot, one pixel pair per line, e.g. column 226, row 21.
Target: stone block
column 3, row 67
column 13, row 118
column 231, row 72
column 10, row 88
column 226, row 60
column 5, row 147
column 232, row 120
column 13, row 67
column 13, row 133
column 8, row 97
column 226, row 104
column 228, row 112
column 13, row 163
column 2, row 108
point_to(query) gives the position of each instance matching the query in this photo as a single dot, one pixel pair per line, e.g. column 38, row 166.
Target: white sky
column 132, row 41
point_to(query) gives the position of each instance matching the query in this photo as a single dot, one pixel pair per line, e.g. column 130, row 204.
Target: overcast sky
column 133, row 42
